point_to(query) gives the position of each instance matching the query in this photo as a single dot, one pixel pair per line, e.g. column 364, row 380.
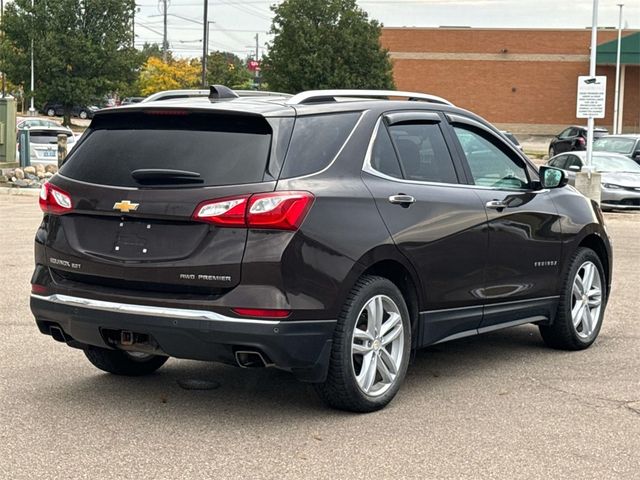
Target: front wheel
column 83, row 115
column 120, row 362
column 51, row 112
column 371, row 347
column 582, row 304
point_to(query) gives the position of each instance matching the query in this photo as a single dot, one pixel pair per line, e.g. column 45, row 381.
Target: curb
column 26, row 192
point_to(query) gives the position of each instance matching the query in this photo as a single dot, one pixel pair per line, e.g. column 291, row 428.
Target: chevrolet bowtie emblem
column 125, row 206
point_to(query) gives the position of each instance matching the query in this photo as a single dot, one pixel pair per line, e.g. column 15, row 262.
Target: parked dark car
column 572, row 139
column 628, row 145
column 52, row 109
column 620, row 177
column 325, row 238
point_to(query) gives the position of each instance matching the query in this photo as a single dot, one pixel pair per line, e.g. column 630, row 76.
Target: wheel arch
column 387, row 262
column 595, row 242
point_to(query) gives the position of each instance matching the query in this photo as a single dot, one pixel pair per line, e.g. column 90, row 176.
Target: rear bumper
column 302, row 347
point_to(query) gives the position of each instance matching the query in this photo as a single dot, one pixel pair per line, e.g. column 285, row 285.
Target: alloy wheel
column 377, row 345
column 586, row 302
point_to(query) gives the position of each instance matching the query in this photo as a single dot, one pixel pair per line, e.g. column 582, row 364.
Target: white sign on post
column 591, row 96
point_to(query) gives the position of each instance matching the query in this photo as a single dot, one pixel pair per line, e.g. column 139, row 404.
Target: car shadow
column 263, row 392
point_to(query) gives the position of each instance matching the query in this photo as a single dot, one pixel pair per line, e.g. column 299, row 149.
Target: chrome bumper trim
column 154, row 311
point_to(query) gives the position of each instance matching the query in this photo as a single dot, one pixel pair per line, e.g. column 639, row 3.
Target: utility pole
column 4, row 83
column 32, row 110
column 617, row 128
column 165, row 42
column 205, row 43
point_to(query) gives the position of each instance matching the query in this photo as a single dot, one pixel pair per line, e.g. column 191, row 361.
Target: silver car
column 620, row 176
column 44, row 144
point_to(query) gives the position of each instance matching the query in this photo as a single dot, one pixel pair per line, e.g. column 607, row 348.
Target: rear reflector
column 262, row 312
column 274, row 210
column 54, row 200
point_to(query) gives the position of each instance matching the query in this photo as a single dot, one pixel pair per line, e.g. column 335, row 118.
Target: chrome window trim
column 367, row 168
column 153, row 311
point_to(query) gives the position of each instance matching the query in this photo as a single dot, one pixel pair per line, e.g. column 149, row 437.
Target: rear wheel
column 371, row 347
column 83, row 115
column 51, row 112
column 582, row 304
column 120, row 362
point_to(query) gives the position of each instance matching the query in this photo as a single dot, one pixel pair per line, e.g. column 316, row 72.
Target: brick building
column 524, row 80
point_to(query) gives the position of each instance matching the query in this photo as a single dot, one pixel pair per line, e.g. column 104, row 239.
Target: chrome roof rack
column 318, row 96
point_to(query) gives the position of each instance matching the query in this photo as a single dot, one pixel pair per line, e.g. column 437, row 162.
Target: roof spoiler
column 220, row 92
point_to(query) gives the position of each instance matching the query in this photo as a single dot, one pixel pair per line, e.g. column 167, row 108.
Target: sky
column 236, row 22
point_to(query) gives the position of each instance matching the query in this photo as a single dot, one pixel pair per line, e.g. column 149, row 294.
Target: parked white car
column 44, row 144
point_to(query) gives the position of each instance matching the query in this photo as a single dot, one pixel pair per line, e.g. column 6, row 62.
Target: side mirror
column 575, row 168
column 551, row 177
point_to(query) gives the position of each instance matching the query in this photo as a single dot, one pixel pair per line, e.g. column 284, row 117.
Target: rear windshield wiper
column 165, row 176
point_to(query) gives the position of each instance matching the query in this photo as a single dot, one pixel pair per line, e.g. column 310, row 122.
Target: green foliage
column 225, row 68
column 325, row 44
column 82, row 48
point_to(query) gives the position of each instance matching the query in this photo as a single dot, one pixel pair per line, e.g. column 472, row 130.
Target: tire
column 350, row 385
column 83, row 115
column 120, row 362
column 579, row 316
column 51, row 112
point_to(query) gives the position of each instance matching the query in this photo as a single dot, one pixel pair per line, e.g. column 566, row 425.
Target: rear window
column 46, row 137
column 223, row 149
column 316, row 141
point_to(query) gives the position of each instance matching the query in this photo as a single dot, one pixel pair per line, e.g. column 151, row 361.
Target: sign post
column 590, row 105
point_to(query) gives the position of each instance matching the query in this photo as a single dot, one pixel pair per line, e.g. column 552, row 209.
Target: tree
column 157, row 75
column 82, row 48
column 325, row 44
column 225, row 68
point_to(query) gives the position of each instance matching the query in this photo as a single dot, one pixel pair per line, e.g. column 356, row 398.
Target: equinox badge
column 125, row 206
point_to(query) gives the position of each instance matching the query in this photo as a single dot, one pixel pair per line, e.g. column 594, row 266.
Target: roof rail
column 318, row 96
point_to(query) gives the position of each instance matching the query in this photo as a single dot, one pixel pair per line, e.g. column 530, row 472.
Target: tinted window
column 47, row 137
column 423, row 153
column 573, row 161
column 558, row 162
column 383, row 156
column 565, row 133
column 489, row 165
column 223, row 149
column 315, row 142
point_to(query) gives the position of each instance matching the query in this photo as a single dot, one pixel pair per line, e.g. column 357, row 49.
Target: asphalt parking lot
column 501, row 405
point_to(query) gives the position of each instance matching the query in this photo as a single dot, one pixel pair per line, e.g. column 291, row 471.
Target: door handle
column 401, row 199
column 496, row 204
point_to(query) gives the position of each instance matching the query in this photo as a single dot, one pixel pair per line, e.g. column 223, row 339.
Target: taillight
column 581, row 141
column 262, row 312
column 226, row 212
column 279, row 210
column 275, row 210
column 54, row 200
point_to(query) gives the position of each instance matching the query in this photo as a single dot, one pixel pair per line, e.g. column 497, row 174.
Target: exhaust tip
column 251, row 359
column 57, row 334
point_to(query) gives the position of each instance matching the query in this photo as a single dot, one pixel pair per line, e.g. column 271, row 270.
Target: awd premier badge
column 125, row 206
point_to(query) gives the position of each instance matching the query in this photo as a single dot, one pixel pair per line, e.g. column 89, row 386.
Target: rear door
column 437, row 223
column 524, row 227
column 136, row 230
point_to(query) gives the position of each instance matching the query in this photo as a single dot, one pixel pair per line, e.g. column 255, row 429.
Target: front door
column 524, row 228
